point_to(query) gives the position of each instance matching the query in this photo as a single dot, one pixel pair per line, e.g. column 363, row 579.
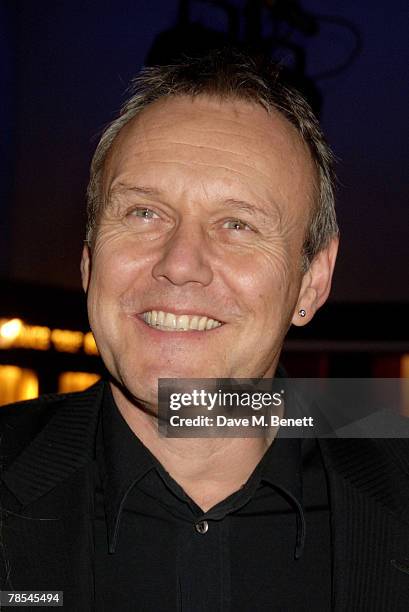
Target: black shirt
column 265, row 547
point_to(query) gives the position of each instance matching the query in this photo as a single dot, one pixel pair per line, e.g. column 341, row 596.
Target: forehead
column 213, row 144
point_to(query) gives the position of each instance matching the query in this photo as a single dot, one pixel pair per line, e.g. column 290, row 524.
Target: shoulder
column 30, row 409
column 344, row 452
column 21, row 422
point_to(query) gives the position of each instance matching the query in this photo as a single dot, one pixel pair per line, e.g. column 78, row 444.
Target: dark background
column 65, row 66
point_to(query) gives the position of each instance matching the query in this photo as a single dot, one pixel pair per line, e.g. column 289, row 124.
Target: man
column 211, row 230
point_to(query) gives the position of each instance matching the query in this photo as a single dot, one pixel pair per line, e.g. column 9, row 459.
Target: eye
column 143, row 213
column 236, row 224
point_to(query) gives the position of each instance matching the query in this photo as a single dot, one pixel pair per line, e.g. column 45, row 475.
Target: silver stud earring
column 302, row 312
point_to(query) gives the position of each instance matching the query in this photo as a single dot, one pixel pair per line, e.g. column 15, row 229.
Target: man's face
column 207, row 208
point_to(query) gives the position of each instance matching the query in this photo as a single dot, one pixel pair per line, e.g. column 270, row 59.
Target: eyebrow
column 229, row 202
column 140, row 190
column 247, row 207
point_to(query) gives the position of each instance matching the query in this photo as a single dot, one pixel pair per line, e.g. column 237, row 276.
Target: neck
column 208, row 469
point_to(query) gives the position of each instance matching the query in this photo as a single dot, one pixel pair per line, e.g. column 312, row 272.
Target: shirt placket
column 204, row 565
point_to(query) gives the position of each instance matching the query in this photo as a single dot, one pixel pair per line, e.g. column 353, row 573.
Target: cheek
column 262, row 279
column 116, row 265
column 266, row 286
column 110, row 275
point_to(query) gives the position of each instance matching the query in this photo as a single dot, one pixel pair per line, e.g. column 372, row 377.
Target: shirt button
column 202, row 526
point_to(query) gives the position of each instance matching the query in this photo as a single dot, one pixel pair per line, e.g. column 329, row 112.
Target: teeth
column 160, row 318
column 171, row 322
column 202, row 323
column 183, row 322
column 194, row 322
column 147, row 317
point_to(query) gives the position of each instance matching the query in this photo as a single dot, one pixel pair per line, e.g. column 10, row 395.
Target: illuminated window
column 76, row 381
column 17, row 384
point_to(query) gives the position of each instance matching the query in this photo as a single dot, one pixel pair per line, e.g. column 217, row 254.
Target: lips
column 168, row 321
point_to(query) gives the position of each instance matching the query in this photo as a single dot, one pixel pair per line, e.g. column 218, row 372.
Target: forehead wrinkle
column 208, row 148
column 297, row 147
column 278, row 124
column 211, row 165
column 145, row 134
column 197, row 117
column 146, row 126
column 257, row 155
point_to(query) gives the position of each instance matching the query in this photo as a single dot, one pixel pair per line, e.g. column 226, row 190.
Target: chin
column 143, row 385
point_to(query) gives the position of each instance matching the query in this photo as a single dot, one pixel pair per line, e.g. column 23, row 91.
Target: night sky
column 65, row 66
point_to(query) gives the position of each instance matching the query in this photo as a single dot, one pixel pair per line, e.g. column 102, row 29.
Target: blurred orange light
column 89, row 344
column 17, row 384
column 67, row 341
column 9, row 330
column 14, row 333
column 76, row 381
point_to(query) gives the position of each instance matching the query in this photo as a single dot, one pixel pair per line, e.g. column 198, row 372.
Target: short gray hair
column 229, row 74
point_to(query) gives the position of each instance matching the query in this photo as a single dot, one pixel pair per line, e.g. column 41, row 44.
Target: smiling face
column 207, row 205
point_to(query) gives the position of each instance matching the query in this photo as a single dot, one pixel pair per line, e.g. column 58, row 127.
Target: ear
column 316, row 283
column 85, row 266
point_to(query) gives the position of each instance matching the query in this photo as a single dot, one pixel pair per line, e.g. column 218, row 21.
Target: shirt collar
column 123, row 460
column 283, row 472
column 283, row 465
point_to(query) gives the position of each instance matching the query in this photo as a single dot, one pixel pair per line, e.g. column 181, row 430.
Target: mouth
column 168, row 321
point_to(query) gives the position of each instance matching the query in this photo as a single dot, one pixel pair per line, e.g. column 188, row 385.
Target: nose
column 185, row 257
